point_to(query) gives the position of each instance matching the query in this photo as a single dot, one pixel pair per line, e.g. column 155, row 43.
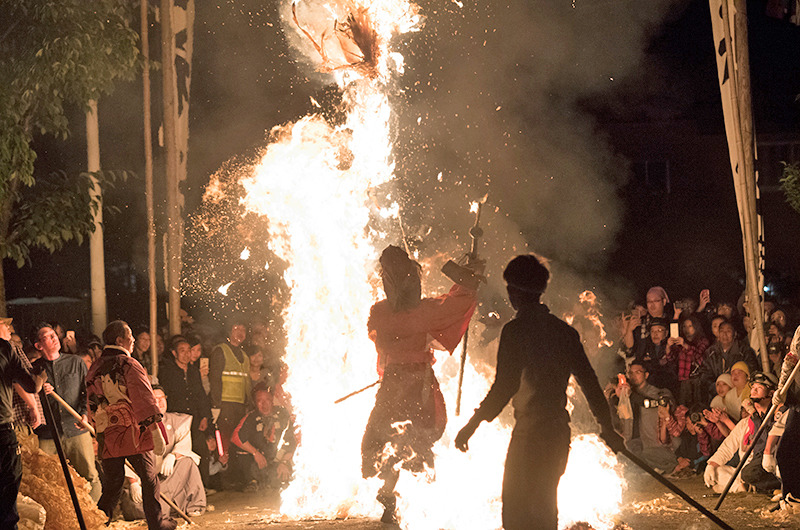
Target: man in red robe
column 409, row 412
column 128, row 423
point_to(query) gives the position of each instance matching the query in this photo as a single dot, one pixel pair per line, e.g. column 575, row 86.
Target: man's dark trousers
column 537, row 457
column 10, row 477
column 144, row 466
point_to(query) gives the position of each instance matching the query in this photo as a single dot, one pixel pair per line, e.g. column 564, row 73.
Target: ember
column 327, row 192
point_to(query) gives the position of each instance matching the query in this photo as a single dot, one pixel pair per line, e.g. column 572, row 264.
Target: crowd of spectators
column 693, row 392
column 688, row 401
column 229, row 421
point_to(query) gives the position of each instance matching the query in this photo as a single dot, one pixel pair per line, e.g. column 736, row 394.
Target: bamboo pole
column 744, row 100
column 48, row 414
column 738, row 67
column 171, row 149
column 148, row 184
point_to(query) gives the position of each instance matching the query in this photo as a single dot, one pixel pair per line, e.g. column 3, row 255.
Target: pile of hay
column 43, row 481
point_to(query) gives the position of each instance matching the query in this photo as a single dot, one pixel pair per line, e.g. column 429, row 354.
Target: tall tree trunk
column 96, row 253
column 169, row 91
column 6, row 208
column 183, row 29
column 148, row 171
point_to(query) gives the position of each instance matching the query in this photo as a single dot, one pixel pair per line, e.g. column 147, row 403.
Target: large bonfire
column 327, row 193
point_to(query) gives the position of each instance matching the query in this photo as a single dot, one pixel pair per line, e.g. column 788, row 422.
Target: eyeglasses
column 636, row 371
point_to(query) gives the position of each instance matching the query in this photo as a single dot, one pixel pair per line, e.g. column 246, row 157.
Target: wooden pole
column 738, row 67
column 675, row 489
column 169, row 90
column 755, row 294
column 48, row 414
column 750, row 221
column 148, row 184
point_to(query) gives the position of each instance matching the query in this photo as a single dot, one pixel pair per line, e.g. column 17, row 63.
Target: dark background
column 596, row 128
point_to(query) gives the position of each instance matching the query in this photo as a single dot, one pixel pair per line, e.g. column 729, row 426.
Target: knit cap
column 741, row 365
column 726, row 378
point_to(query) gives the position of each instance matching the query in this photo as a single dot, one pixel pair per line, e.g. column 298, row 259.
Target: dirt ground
column 647, row 505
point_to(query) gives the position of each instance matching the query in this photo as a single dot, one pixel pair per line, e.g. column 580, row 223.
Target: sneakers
column 790, row 503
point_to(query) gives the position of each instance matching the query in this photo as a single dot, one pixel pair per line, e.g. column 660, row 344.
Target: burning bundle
column 43, row 481
column 355, row 46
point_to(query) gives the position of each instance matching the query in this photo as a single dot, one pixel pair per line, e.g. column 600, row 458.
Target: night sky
column 534, row 102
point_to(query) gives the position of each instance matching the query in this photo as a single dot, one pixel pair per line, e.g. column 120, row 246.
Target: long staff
column 51, row 422
column 758, row 434
column 78, row 417
column 475, row 233
column 682, row 494
column 351, row 394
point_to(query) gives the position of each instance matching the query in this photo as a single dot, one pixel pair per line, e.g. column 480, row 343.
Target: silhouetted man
column 537, row 354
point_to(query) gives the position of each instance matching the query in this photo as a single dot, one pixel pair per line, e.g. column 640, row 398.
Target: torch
column 464, row 276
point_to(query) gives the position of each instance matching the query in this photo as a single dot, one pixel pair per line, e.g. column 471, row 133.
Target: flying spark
column 224, row 288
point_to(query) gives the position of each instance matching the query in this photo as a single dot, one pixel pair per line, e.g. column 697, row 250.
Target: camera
column 653, row 403
column 695, row 417
column 776, row 348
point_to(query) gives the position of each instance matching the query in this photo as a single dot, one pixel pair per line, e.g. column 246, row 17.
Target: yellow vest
column 235, row 377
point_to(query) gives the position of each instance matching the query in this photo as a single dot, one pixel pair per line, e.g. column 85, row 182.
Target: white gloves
column 168, row 465
column 710, row 476
column 159, row 444
column 136, row 492
column 778, row 398
column 214, row 415
column 769, row 463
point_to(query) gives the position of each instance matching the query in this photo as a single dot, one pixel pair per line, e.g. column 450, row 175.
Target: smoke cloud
column 490, row 103
column 491, row 100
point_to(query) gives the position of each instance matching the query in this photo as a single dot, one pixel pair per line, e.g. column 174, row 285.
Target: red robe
column 122, row 404
column 409, row 391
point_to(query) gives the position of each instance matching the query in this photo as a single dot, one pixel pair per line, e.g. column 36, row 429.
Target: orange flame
column 316, row 185
column 589, row 301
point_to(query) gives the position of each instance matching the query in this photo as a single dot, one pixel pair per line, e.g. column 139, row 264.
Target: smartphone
column 71, row 335
column 204, row 363
column 674, row 329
